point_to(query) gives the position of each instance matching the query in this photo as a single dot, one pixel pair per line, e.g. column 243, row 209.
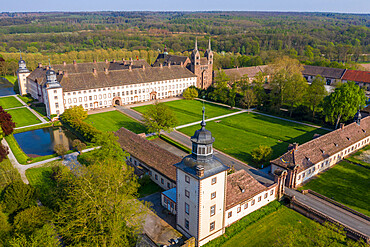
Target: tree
column 61, row 150
column 30, row 219
column 6, row 122
column 159, row 117
column 78, row 145
column 74, row 113
column 261, row 154
column 18, row 196
column 315, row 94
column 100, row 208
column 343, row 103
column 45, row 236
column 190, row 93
column 221, row 87
column 249, row 99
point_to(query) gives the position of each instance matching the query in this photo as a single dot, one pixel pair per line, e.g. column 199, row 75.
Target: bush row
column 176, row 144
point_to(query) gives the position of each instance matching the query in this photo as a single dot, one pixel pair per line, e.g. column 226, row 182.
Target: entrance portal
column 117, row 102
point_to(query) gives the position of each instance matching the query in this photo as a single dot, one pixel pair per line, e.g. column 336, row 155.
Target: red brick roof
column 319, row 149
column 149, row 153
column 357, row 76
column 240, row 187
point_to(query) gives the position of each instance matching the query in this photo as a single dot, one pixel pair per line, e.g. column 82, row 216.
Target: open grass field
column 238, row 135
column 189, row 111
column 23, row 117
column 345, row 183
column 114, row 120
column 283, row 227
column 40, row 179
column 9, row 102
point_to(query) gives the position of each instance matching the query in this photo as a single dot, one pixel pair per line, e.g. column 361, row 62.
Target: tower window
column 212, row 226
column 213, row 210
column 187, row 193
column 187, row 224
column 186, row 208
column 229, row 214
column 214, row 180
column 187, row 179
column 213, row 195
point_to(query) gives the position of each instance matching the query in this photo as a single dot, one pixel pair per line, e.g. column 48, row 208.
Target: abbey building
column 104, row 84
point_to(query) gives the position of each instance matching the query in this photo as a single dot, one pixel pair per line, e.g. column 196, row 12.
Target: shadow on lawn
column 135, row 127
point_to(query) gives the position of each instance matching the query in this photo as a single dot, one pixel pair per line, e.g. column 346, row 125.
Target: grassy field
column 10, row 78
column 40, row 179
column 346, row 183
column 189, row 111
column 23, row 117
column 9, row 102
column 114, row 120
column 238, row 135
column 283, row 227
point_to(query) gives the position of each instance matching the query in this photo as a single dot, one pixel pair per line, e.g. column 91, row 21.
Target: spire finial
column 203, row 123
column 20, row 54
column 196, row 44
column 209, row 44
column 49, row 64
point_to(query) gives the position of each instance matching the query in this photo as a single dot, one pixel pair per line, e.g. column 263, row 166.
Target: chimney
column 106, row 70
column 169, row 65
column 295, row 146
column 182, row 64
column 130, row 67
column 65, row 73
column 341, row 126
column 124, row 62
column 40, row 65
column 114, row 60
column 143, row 67
column 131, row 59
column 59, row 72
column 200, row 171
column 74, row 62
column 237, row 67
column 106, row 60
column 94, row 61
column 161, row 66
column 64, row 63
column 94, row 71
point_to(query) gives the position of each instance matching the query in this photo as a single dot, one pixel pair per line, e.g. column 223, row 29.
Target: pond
column 41, row 142
column 6, row 88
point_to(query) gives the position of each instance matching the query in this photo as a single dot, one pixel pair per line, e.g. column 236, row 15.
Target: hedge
column 176, row 144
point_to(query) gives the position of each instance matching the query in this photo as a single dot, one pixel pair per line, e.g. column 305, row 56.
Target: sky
column 337, row 6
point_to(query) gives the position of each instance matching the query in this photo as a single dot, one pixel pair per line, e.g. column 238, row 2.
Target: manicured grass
column 10, row 78
column 113, row 121
column 238, row 135
column 41, row 180
column 345, row 183
column 23, row 117
column 357, row 159
column 9, row 102
column 26, row 99
column 16, row 149
column 189, row 111
column 282, row 227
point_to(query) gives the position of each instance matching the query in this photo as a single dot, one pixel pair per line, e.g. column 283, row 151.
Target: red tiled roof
column 357, row 76
column 319, row 149
column 240, row 187
column 149, row 153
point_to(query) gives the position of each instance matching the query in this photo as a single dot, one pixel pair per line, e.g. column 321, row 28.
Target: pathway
column 70, row 161
column 340, row 215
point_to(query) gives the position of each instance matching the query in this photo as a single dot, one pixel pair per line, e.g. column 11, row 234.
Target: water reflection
column 42, row 141
column 6, row 88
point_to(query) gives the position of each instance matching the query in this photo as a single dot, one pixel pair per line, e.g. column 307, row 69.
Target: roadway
column 345, row 217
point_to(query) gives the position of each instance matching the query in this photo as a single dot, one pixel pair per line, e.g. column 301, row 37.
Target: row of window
column 238, row 210
column 211, row 225
column 213, row 181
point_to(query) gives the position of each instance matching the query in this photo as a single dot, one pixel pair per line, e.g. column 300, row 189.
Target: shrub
column 31, row 219
column 18, row 196
column 190, row 93
column 60, row 150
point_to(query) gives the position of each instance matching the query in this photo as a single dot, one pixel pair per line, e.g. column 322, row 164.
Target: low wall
column 322, row 218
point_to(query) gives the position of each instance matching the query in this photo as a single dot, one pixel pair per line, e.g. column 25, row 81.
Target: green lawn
column 345, row 183
column 11, row 78
column 189, row 111
column 114, row 120
column 9, row 102
column 283, row 227
column 41, row 180
column 23, row 117
column 361, row 157
column 238, row 135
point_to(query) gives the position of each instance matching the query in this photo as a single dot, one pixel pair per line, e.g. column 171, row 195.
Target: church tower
column 201, row 190
column 22, row 74
column 202, row 67
column 53, row 94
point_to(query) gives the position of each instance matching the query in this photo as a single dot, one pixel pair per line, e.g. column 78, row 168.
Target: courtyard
column 346, row 183
column 238, row 135
column 189, row 111
column 113, row 121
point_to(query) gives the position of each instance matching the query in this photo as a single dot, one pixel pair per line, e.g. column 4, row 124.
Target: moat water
column 42, row 141
column 6, row 88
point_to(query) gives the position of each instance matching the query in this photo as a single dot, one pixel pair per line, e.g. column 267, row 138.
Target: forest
column 239, row 38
